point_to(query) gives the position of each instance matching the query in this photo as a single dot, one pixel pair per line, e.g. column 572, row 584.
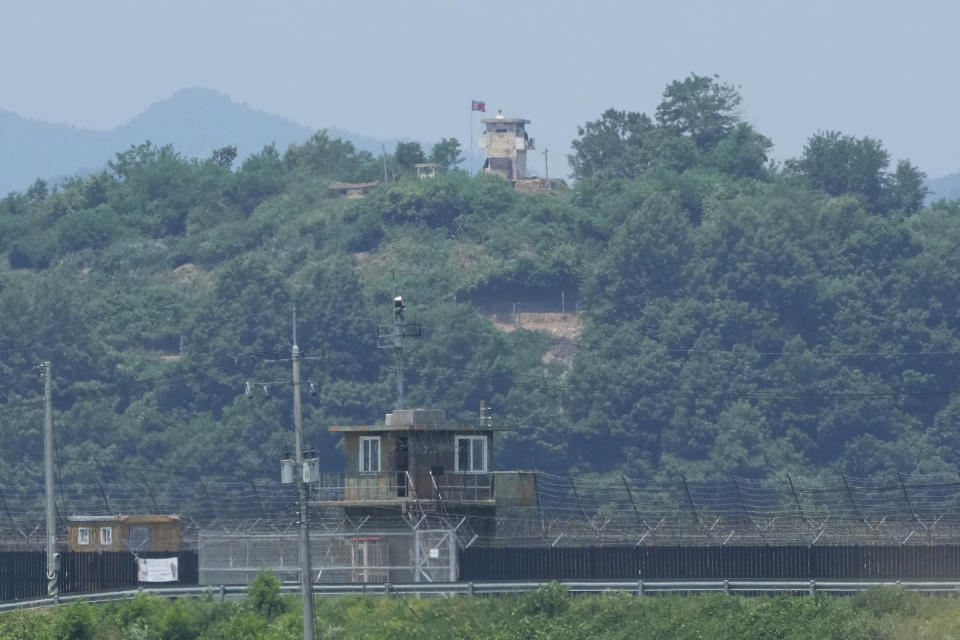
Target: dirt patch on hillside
column 564, row 327
column 560, row 325
column 190, row 275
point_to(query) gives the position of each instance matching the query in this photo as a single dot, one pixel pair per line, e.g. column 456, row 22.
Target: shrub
column 263, row 595
column 550, row 600
column 75, row 622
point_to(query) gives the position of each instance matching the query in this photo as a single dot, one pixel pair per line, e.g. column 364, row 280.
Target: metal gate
column 435, row 555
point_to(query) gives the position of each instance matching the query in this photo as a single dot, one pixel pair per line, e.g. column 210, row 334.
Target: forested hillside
column 739, row 317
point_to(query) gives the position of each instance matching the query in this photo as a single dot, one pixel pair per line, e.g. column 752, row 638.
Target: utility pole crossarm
column 261, row 356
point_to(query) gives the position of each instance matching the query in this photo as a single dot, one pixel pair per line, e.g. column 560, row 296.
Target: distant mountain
column 945, row 187
column 195, row 121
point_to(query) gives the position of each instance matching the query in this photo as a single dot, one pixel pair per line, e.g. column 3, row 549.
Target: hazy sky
column 393, row 69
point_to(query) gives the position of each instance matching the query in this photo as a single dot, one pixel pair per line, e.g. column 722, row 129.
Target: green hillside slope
column 722, row 314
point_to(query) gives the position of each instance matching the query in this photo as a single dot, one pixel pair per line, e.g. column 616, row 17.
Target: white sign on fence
column 157, row 569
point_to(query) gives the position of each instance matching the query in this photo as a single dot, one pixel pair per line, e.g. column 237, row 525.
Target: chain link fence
column 357, row 556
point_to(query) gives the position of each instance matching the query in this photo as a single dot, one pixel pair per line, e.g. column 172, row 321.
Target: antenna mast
column 393, row 336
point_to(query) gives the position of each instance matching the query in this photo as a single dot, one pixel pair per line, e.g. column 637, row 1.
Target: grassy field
column 548, row 614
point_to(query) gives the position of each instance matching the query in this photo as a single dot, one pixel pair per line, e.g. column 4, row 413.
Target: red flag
column 478, row 105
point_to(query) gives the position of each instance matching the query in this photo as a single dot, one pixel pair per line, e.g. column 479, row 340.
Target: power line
column 22, row 407
column 591, row 344
column 30, row 348
column 534, row 381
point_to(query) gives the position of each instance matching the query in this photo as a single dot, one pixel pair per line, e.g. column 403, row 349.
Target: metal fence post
column 813, row 588
column 452, row 546
column 726, row 587
column 639, row 587
column 417, row 562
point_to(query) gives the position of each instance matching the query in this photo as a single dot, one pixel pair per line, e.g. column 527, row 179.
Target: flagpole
column 471, row 137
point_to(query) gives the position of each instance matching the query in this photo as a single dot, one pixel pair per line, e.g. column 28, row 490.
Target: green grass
column 549, row 613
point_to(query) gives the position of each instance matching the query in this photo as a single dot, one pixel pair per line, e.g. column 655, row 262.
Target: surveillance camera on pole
column 393, row 337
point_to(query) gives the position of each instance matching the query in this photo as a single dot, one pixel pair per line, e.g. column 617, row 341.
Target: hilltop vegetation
column 889, row 614
column 194, row 120
column 739, row 317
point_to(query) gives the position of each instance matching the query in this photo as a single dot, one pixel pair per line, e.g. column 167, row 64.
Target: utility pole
column 546, row 167
column 383, row 147
column 393, row 337
column 306, row 580
column 52, row 557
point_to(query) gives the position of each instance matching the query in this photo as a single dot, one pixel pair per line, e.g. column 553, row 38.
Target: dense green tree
column 93, row 228
column 742, row 152
column 905, row 189
column 408, row 154
column 696, row 114
column 328, row 158
column 745, row 446
column 624, row 144
column 616, row 402
column 156, row 188
column 840, row 164
column 95, row 190
column 260, row 176
column 646, row 259
column 38, row 191
column 447, row 154
column 701, row 108
column 224, row 156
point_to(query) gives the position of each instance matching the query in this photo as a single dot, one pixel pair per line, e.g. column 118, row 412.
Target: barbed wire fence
column 565, row 511
column 789, row 511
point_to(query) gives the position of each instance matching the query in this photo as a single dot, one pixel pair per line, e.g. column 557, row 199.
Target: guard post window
column 106, row 535
column 370, row 454
column 471, row 454
column 83, row 536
